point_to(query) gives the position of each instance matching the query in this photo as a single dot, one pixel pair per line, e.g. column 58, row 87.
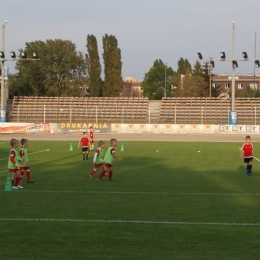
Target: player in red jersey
column 84, row 144
column 248, row 151
column 91, row 139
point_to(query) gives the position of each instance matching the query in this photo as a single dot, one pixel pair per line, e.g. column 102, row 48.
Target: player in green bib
column 108, row 160
column 13, row 165
column 98, row 159
column 24, row 165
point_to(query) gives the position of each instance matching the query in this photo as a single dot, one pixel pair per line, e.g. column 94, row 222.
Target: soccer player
column 248, row 151
column 24, row 165
column 84, row 144
column 91, row 139
column 98, row 158
column 13, row 166
column 108, row 160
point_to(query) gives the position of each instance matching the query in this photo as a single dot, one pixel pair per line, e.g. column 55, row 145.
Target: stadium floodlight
column 212, row 63
column 200, row 56
column 257, row 63
column 245, row 55
column 35, row 55
column 235, row 65
column 2, row 55
column 24, row 55
column 223, row 55
column 12, row 53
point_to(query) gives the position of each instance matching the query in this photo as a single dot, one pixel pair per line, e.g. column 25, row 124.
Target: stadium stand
column 78, row 109
column 189, row 110
column 174, row 110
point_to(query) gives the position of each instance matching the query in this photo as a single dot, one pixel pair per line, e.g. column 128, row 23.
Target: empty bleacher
column 174, row 110
column 190, row 110
column 78, row 109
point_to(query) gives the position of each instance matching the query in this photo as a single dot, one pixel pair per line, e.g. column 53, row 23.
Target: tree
column 154, row 81
column 183, row 66
column 112, row 67
column 60, row 71
column 94, row 69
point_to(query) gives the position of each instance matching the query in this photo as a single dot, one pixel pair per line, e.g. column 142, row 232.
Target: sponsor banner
column 185, row 129
column 130, row 128
column 83, row 127
column 194, row 129
column 117, row 127
column 156, row 128
column 252, row 129
column 22, row 128
column 238, row 129
column 225, row 129
column 167, row 128
column 182, row 129
column 208, row 129
column 142, row 128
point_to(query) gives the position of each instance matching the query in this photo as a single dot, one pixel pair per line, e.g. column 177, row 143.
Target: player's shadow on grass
column 241, row 168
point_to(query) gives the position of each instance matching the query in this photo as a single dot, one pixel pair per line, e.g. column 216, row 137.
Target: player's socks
column 21, row 176
column 84, row 157
column 250, row 169
column 12, row 182
column 92, row 173
column 247, row 169
column 110, row 175
column 102, row 174
column 28, row 175
column 17, row 181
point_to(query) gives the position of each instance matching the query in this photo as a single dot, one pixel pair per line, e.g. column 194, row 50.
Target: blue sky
column 145, row 29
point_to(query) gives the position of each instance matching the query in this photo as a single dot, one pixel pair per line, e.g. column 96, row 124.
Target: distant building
column 132, row 87
column 241, row 82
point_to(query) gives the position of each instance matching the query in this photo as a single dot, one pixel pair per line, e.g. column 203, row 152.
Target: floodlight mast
column 233, row 69
column 234, row 66
column 3, row 67
column 3, row 59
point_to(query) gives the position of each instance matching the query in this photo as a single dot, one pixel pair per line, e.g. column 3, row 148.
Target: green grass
column 176, row 184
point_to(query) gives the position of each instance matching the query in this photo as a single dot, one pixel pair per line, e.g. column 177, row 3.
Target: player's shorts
column 97, row 165
column 84, row 149
column 25, row 168
column 107, row 165
column 248, row 160
column 91, row 142
column 13, row 170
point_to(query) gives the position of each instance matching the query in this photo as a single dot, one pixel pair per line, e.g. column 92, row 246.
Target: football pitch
column 176, row 203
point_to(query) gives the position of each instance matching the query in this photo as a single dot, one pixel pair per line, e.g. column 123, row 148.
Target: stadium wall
column 129, row 128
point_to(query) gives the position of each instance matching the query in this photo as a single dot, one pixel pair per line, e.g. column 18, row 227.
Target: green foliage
column 153, row 84
column 249, row 92
column 59, row 72
column 112, row 67
column 94, row 69
column 195, row 83
column 183, row 66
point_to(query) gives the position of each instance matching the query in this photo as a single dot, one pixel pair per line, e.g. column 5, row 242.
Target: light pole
column 3, row 67
column 233, row 90
column 13, row 58
column 234, row 66
column 165, row 95
column 210, row 64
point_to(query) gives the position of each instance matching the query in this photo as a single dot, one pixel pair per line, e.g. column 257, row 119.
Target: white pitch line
column 257, row 159
column 129, row 222
column 3, row 143
column 47, row 150
column 141, row 192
